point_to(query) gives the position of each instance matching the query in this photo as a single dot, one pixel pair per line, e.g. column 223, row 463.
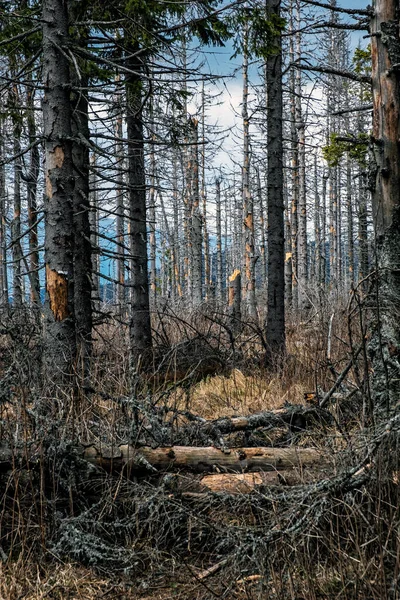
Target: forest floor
column 332, row 534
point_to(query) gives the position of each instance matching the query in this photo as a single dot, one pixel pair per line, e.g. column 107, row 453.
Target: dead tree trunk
column 3, row 240
column 248, row 211
column 16, row 222
column 275, row 331
column 195, row 219
column 120, row 209
column 140, row 327
column 218, row 249
column 31, row 186
column 384, row 347
column 235, row 300
column 60, row 341
column 82, row 253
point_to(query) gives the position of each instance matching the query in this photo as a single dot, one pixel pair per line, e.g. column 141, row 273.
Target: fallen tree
column 200, row 459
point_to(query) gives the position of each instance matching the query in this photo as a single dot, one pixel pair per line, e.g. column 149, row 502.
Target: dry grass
column 241, row 394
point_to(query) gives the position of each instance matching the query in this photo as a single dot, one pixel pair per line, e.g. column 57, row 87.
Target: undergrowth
column 68, row 529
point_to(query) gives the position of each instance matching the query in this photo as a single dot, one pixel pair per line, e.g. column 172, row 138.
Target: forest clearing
column 199, row 299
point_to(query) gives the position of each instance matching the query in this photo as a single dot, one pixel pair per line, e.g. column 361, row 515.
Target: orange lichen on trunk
column 57, row 289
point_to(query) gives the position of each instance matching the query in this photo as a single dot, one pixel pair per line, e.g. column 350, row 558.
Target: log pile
column 225, row 469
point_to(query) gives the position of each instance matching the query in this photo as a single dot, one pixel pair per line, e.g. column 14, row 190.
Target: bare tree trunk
column 248, row 209
column 294, row 218
column 94, row 229
column 363, row 254
column 60, row 341
column 350, row 222
column 177, row 290
column 324, row 258
column 152, row 208
column 16, row 222
column 332, row 227
column 384, row 347
column 3, row 226
column 302, row 253
column 81, row 225
column 219, row 238
column 207, row 271
column 120, row 207
column 235, row 301
column 275, row 330
column 317, row 226
column 31, row 185
column 140, row 326
column 195, row 219
column 262, row 223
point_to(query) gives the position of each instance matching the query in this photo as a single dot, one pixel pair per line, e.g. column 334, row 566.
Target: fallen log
column 193, row 459
column 244, row 483
column 296, row 418
column 200, row 460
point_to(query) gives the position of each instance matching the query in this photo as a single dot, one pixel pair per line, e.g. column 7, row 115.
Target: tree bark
column 218, row 249
column 16, row 222
column 200, row 460
column 3, row 224
column 248, row 204
column 384, row 347
column 196, row 237
column 140, row 326
column 120, row 208
column 302, row 249
column 60, row 341
column 275, row 330
column 82, row 247
column 235, row 301
column 31, row 185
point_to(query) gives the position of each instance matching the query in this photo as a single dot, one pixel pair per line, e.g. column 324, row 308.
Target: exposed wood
column 244, row 483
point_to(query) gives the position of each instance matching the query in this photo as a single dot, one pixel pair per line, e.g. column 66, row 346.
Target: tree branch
column 330, row 71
